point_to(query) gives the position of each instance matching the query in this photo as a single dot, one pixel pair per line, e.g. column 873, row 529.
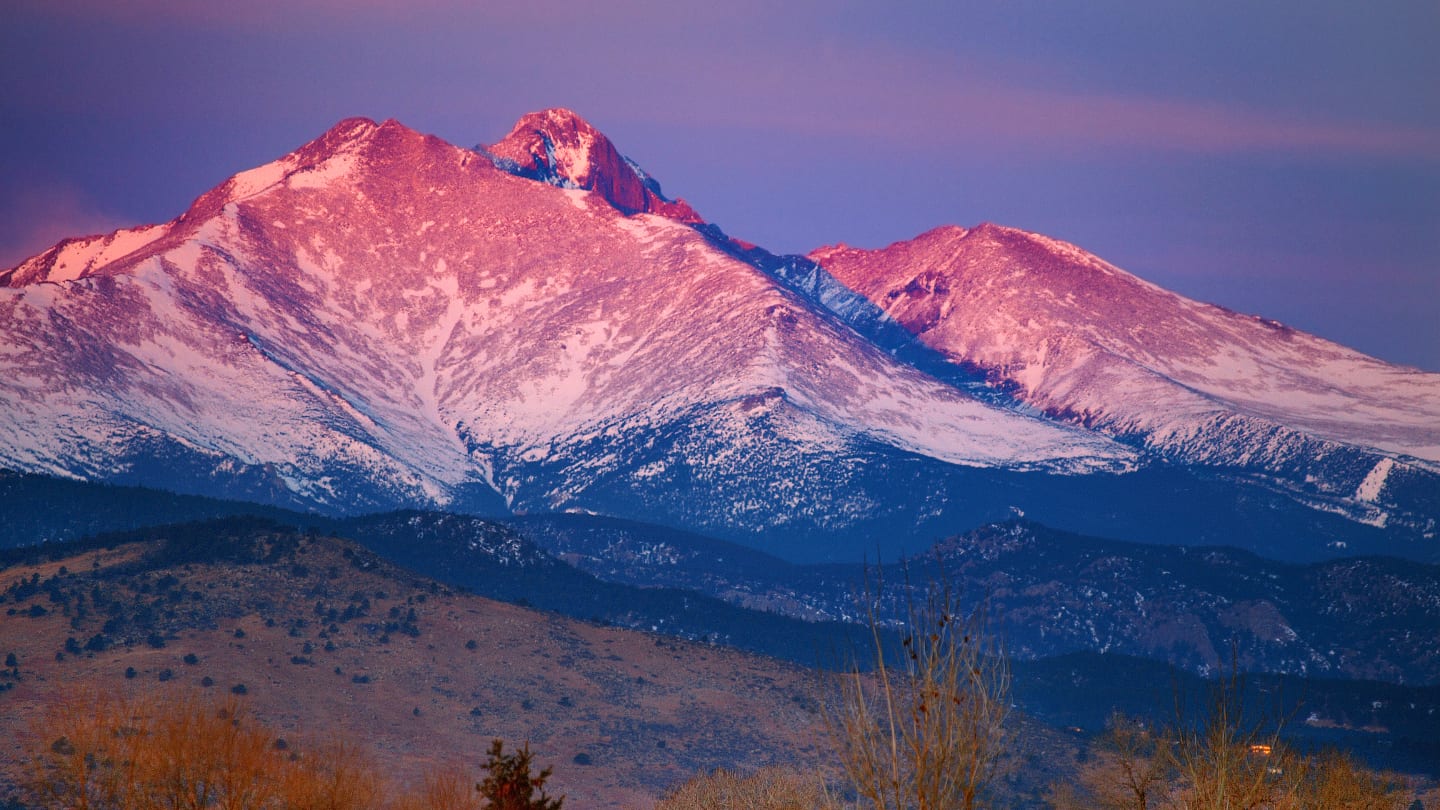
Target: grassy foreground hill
column 325, row 640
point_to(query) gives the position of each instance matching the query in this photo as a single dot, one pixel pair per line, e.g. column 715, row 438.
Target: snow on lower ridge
column 1080, row 337
column 1374, row 482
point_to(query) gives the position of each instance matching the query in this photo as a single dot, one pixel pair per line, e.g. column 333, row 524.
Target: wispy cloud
column 1189, row 126
column 915, row 100
column 797, row 69
column 35, row 216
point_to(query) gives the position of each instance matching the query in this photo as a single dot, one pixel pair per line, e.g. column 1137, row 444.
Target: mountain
column 1089, row 344
column 381, row 320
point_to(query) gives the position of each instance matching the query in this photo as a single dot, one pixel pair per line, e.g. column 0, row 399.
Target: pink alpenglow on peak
column 379, row 319
column 561, row 147
column 1082, row 340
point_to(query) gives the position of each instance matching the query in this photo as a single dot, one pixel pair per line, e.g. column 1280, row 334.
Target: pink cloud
column 752, row 64
column 1190, row 126
column 910, row 99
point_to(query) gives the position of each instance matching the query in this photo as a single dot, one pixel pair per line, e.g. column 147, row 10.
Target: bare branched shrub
column 109, row 753
column 766, row 789
column 335, row 776
column 1335, row 781
column 1130, row 769
column 1220, row 762
column 450, row 787
column 81, row 758
column 102, row 753
column 1223, row 763
column 926, row 727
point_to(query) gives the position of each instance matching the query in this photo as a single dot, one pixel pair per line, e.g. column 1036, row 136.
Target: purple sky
column 1279, row 158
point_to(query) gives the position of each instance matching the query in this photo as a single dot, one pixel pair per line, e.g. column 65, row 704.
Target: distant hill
column 306, row 603
column 44, row 509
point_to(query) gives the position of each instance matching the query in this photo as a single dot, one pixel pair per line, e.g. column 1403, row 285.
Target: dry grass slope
column 326, row 639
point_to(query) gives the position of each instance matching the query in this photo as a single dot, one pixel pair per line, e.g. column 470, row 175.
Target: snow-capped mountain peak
column 1087, row 342
column 81, row 256
column 381, row 319
column 323, row 158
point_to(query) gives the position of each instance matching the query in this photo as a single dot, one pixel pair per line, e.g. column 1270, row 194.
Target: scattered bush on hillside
column 766, row 789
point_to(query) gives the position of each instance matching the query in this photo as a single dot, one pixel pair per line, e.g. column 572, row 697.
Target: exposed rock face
column 562, row 148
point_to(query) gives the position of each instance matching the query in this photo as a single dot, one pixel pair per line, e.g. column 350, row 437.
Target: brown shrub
column 766, row 789
column 94, row 752
column 927, row 731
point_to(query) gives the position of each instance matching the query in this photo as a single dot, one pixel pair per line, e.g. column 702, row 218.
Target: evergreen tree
column 509, row 784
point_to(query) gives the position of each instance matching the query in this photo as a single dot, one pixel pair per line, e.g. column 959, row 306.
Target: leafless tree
column 925, row 727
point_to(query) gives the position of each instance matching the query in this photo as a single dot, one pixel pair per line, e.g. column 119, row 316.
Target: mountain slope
column 380, row 319
column 1086, row 342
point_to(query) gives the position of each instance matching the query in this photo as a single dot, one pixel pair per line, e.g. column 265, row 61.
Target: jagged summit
column 937, row 235
column 559, row 147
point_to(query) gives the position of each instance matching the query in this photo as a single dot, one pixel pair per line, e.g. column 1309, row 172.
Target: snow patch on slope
column 1369, row 489
column 78, row 258
column 253, row 181
column 324, row 174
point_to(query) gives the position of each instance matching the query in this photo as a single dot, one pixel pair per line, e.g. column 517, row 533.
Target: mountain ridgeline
column 381, row 320
column 1051, row 592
